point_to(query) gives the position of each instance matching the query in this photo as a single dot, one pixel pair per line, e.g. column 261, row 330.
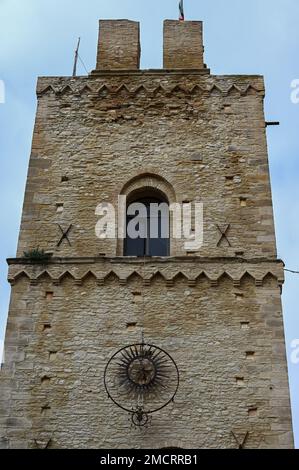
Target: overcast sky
column 37, row 37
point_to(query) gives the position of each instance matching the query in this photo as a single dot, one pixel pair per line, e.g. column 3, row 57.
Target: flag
column 181, row 8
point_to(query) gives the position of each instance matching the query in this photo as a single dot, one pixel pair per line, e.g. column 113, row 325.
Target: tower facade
column 180, row 135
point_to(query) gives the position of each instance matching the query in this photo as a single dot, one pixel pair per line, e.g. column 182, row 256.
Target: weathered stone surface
column 129, row 123
column 192, row 136
column 119, row 45
column 202, row 330
column 183, row 45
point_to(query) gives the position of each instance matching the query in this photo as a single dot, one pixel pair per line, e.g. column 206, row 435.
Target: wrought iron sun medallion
column 141, row 379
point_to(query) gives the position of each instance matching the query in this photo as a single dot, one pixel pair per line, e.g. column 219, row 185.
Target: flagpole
column 181, row 9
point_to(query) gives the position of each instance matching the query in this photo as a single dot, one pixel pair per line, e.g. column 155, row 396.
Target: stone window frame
column 147, row 183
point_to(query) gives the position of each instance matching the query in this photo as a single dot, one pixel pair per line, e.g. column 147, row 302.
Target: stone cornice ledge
column 107, row 73
column 147, row 260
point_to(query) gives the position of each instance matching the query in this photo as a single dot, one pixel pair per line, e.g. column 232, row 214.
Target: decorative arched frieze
column 147, row 278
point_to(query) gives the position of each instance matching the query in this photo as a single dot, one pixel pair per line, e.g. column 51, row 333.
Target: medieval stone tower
column 181, row 135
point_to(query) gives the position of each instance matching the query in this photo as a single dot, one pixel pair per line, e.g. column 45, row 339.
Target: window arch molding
column 149, row 181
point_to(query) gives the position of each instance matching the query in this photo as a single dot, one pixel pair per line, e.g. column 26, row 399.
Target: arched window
column 147, row 225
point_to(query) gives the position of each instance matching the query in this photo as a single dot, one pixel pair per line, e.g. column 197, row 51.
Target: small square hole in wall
column 243, row 201
column 47, row 327
column 239, row 295
column 52, row 355
column 137, row 297
column 240, row 381
column 45, row 380
column 252, row 412
column 45, row 410
column 49, row 295
column 131, row 326
column 239, row 253
column 59, row 207
column 229, row 178
column 191, row 253
column 64, row 179
column 250, row 354
column 245, row 325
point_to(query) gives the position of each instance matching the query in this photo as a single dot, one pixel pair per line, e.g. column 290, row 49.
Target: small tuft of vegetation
column 37, row 256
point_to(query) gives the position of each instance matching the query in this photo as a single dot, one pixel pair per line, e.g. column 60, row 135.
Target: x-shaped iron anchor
column 64, row 235
column 223, row 231
column 241, row 445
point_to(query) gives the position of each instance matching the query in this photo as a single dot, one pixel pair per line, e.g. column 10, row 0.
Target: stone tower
column 188, row 136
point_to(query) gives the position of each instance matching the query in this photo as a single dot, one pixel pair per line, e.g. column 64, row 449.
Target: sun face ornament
column 141, row 379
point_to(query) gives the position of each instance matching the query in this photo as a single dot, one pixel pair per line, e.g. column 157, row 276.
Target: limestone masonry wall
column 101, row 132
column 226, row 337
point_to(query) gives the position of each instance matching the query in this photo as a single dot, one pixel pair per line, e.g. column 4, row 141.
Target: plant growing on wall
column 37, row 256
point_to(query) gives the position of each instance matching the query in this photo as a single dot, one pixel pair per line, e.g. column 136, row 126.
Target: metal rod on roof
column 76, row 58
